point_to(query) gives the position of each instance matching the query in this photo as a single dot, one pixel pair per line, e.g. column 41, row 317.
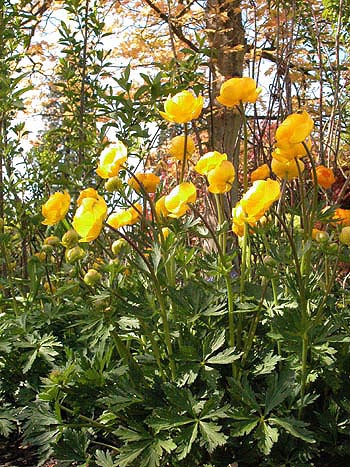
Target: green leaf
column 266, row 436
column 130, row 452
column 212, row 435
column 164, row 419
column 295, row 427
column 268, row 364
column 185, row 440
column 244, row 426
column 225, row 357
column 279, row 388
column 104, row 459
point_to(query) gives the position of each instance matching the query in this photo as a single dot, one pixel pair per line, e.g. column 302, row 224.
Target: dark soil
column 15, row 454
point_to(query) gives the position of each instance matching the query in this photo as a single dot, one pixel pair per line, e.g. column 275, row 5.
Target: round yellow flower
column 182, row 108
column 344, row 236
column 291, row 152
column 147, row 181
column 176, row 202
column 87, row 193
column 161, row 210
column 177, row 147
column 125, row 217
column 325, row 176
column 287, row 170
column 342, row 217
column 111, row 160
column 221, row 178
column 209, row 161
column 260, row 173
column 236, row 90
column 89, row 217
column 55, row 208
column 296, row 128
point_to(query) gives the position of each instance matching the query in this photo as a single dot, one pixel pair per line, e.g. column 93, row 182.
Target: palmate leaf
column 165, row 419
column 266, row 437
column 295, row 427
column 225, row 357
column 7, row 421
column 104, row 459
column 72, row 447
column 279, row 388
column 148, row 452
column 212, row 435
column 185, row 440
column 130, row 452
column 244, row 426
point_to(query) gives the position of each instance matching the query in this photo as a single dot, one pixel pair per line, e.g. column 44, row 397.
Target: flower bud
column 92, row 277
column 70, row 238
column 269, row 261
column 113, row 184
column 47, row 248
column 321, row 236
column 117, row 245
column 344, row 236
column 52, row 240
column 74, row 254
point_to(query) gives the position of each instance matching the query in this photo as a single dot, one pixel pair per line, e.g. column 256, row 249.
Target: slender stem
column 245, row 147
column 184, row 160
column 304, row 352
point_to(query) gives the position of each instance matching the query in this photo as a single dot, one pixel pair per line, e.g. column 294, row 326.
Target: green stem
column 253, row 326
column 220, row 214
column 184, row 160
column 304, row 352
column 245, row 147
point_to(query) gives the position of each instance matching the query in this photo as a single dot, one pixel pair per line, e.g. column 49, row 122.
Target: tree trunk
column 227, row 40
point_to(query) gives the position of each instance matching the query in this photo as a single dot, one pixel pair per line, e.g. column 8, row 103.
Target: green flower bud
column 70, row 238
column 113, row 184
column 74, row 254
column 321, row 237
column 52, row 240
column 117, row 245
column 92, row 277
column 344, row 236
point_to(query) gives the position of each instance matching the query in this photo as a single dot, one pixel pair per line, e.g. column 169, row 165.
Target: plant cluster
column 196, row 337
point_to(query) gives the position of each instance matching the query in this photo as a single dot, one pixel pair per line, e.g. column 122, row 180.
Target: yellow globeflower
column 182, row 108
column 257, row 200
column 177, row 147
column 325, row 176
column 147, row 181
column 291, row 152
column 89, row 217
column 342, row 217
column 125, row 217
column 176, row 202
column 236, row 90
column 209, row 161
column 55, row 208
column 111, row 160
column 87, row 193
column 161, row 210
column 260, row 173
column 221, row 178
column 288, row 169
column 296, row 128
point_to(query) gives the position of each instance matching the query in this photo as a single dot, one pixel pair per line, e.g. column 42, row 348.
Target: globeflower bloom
column 176, row 202
column 146, row 181
column 342, row 217
column 111, row 160
column 55, row 208
column 288, row 169
column 236, row 90
column 255, row 202
column 293, row 130
column 177, row 147
column 291, row 152
column 125, row 217
column 260, row 173
column 182, row 108
column 221, row 178
column 325, row 176
column 209, row 161
column 87, row 193
column 89, row 217
column 161, row 210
